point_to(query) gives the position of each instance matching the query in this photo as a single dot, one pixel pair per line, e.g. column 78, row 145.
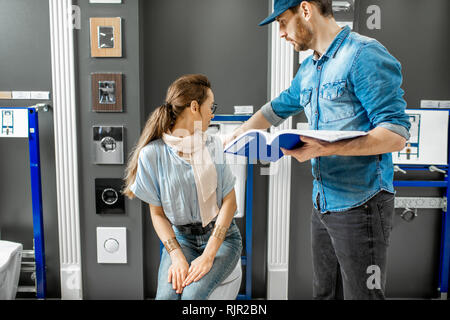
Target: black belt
column 195, row 229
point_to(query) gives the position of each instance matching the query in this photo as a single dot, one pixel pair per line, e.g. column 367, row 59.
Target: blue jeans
column 193, row 246
column 349, row 250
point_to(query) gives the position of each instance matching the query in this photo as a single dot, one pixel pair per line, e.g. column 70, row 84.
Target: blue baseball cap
column 280, row 6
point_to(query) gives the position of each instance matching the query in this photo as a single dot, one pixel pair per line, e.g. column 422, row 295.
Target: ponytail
column 160, row 121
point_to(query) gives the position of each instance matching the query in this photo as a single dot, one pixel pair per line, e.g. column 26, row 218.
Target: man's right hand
column 257, row 121
column 236, row 133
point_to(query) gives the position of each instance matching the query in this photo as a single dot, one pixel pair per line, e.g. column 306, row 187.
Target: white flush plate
column 112, row 245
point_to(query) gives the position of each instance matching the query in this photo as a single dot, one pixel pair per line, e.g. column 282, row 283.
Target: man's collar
column 335, row 45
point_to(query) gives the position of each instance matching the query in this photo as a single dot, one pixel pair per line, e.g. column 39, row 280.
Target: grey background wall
column 109, row 281
column 220, row 39
column 420, row 42
column 25, row 65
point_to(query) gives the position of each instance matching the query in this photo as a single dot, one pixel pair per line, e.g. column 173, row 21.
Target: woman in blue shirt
column 180, row 172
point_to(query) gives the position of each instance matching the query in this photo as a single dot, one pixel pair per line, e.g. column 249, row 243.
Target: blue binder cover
column 261, row 145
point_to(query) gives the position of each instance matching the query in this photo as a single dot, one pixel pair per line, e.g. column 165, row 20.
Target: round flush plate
column 111, row 245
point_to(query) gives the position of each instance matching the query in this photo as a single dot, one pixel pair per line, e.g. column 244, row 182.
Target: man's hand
column 236, row 133
column 311, row 149
column 257, row 121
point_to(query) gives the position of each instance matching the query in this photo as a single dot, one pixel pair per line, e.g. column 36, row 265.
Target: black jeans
column 349, row 250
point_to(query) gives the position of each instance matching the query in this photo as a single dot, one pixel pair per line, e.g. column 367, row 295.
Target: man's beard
column 303, row 36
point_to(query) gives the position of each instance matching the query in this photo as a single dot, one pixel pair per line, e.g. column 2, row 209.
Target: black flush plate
column 108, row 199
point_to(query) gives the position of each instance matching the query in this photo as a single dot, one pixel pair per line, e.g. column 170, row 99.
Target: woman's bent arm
column 179, row 269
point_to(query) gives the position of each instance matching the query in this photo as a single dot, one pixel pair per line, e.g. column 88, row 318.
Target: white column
column 64, row 108
column 282, row 63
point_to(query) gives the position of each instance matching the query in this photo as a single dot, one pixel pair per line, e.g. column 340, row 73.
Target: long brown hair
column 184, row 90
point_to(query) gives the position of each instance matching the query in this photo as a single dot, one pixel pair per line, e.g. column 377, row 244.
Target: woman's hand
column 178, row 271
column 199, row 268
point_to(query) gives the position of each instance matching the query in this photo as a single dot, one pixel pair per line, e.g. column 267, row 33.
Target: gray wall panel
column 109, row 281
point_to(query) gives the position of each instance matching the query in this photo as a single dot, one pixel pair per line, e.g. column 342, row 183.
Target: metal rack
column 412, row 204
column 36, row 265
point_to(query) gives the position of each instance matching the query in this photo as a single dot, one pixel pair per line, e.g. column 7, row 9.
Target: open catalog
column 264, row 146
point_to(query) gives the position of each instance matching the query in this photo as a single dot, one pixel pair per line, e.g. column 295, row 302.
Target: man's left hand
column 312, row 148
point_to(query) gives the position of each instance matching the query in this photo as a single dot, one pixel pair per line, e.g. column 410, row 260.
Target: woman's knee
column 166, row 293
column 196, row 293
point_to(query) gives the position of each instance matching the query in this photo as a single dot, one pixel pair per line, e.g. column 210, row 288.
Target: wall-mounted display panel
column 107, row 92
column 108, row 198
column 106, row 37
column 107, row 145
column 13, row 123
column 428, row 144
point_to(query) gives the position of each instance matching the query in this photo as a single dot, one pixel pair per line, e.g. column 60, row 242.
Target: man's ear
column 306, row 10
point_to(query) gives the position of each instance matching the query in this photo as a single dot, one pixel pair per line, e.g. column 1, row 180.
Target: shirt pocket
column 305, row 102
column 335, row 103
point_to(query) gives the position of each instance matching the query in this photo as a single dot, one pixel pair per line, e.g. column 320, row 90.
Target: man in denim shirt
column 351, row 82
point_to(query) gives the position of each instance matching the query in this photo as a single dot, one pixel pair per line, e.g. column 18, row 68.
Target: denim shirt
column 354, row 86
column 166, row 180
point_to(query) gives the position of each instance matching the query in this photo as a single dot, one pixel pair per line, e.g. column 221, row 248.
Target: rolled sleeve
column 146, row 186
column 377, row 78
column 270, row 115
column 400, row 130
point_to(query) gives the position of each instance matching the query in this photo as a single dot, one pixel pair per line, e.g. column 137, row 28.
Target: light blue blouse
column 166, row 180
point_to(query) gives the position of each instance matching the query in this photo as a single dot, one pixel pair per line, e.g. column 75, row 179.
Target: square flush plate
column 107, row 92
column 106, row 37
column 111, row 245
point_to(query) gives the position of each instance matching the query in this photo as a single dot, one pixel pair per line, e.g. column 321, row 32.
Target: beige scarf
column 205, row 173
